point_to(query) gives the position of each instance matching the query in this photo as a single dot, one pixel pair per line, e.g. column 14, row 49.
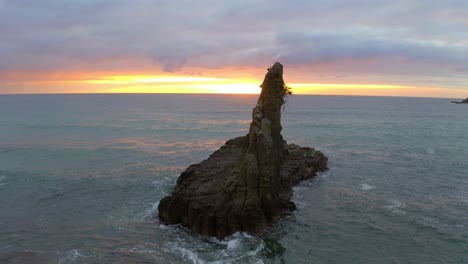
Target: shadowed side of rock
column 257, row 192
column 246, row 185
column 201, row 199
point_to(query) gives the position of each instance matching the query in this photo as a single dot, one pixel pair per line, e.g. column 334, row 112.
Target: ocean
column 81, row 177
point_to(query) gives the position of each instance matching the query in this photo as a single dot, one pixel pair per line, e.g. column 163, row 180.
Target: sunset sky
column 349, row 47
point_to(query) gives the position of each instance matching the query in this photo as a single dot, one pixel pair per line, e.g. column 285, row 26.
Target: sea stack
column 246, row 185
column 461, row 102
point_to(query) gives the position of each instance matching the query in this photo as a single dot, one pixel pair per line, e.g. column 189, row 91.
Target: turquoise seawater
column 81, row 177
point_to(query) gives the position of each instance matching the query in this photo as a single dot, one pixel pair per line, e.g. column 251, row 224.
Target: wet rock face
column 246, row 185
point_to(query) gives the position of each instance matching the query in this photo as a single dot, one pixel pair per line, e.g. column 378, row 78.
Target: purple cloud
column 170, row 35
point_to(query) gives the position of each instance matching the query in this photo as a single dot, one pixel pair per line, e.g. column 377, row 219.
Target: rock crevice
column 246, row 185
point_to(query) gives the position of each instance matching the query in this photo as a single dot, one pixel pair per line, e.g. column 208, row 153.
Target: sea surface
column 81, row 177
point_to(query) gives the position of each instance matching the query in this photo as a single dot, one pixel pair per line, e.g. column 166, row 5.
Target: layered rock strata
column 246, row 185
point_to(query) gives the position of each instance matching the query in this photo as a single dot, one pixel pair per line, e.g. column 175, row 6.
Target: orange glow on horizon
column 217, row 84
column 122, row 79
column 176, row 84
column 199, row 84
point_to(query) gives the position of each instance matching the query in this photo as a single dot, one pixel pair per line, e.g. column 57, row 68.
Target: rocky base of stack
column 206, row 198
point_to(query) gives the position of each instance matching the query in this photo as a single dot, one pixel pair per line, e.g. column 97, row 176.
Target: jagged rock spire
column 246, row 185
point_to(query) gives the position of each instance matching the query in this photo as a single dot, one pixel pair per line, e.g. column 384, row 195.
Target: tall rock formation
column 246, row 185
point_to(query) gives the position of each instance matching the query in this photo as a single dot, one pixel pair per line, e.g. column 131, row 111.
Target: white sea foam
column 367, row 187
column 237, row 248
column 151, row 211
column 241, row 234
column 235, row 236
column 396, row 207
column 163, row 226
column 429, row 219
column 186, row 253
column 242, row 241
column 74, row 254
column 324, row 174
column 71, row 255
column 430, row 151
column 234, row 244
column 148, row 249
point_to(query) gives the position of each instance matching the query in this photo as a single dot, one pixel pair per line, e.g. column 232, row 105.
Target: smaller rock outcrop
column 461, row 102
column 246, row 185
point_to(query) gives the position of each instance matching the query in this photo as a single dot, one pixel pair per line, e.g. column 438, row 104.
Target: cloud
column 170, row 64
column 171, row 35
column 310, row 48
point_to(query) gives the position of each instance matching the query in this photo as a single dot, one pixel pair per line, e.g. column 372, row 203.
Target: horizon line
column 242, row 94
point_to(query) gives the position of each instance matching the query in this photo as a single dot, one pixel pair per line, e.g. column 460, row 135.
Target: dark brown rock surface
column 246, row 185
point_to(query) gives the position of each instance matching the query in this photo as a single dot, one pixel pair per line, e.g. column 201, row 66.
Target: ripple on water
column 396, row 207
column 72, row 256
column 367, row 187
column 101, row 176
